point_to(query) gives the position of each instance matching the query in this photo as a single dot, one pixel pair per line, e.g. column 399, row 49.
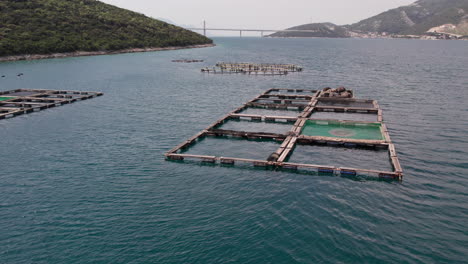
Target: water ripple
column 87, row 183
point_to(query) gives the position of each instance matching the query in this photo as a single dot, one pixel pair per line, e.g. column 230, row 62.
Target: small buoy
column 3, row 76
column 273, row 157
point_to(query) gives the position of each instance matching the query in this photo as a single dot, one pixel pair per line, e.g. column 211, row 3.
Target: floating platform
column 259, row 66
column 187, row 61
column 252, row 68
column 24, row 101
column 289, row 121
column 241, row 71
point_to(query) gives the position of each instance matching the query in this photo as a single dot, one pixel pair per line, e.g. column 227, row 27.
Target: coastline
column 419, row 37
column 95, row 53
column 365, row 38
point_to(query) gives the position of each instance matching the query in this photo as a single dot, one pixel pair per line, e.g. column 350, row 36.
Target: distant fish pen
column 24, row 101
column 187, row 61
column 252, row 68
column 297, row 108
column 259, row 66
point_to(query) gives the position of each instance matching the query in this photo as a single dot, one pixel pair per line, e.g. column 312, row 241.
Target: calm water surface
column 87, row 182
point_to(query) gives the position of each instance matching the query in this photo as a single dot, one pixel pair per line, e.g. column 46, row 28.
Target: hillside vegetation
column 328, row 30
column 416, row 18
column 51, row 26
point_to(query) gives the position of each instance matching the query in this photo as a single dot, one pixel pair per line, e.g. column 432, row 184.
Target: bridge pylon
column 204, row 28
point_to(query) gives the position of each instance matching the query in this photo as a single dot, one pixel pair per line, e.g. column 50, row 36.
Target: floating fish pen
column 252, row 68
column 187, row 61
column 241, row 71
column 259, row 66
column 284, row 129
column 24, row 101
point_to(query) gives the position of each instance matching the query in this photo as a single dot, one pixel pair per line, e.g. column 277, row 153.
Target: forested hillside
column 51, row 26
column 326, row 30
column 416, row 18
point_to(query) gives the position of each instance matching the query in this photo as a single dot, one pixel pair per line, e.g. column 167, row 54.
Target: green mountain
column 327, row 30
column 416, row 18
column 51, row 26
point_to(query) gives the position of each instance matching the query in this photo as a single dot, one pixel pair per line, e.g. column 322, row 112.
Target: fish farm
column 299, row 130
column 252, row 68
column 24, row 101
column 187, row 61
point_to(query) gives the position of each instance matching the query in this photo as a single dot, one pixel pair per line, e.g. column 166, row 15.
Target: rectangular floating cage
column 342, row 129
column 24, row 101
column 291, row 92
column 332, row 156
column 235, row 147
column 252, row 68
column 264, row 111
column 280, row 140
column 258, row 66
column 345, row 116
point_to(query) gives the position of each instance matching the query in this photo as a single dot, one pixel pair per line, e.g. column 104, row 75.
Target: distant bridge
column 240, row 30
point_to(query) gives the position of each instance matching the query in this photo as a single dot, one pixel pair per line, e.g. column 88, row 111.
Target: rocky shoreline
column 95, row 53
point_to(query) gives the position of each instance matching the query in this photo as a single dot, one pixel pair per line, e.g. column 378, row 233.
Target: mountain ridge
column 326, row 29
column 415, row 19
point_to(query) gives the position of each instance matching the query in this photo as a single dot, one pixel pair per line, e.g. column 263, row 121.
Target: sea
column 88, row 182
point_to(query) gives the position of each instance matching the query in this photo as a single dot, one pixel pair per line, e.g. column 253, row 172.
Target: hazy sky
column 265, row 14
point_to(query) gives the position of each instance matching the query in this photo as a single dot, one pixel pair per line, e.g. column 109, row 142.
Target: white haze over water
column 261, row 14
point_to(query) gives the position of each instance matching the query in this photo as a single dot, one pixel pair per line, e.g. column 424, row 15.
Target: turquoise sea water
column 88, row 183
column 342, row 130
